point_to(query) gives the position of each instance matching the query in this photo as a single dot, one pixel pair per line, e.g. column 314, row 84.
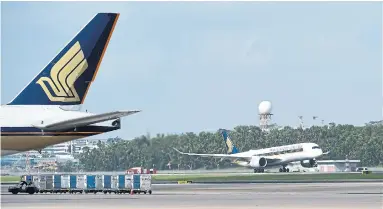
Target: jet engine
column 309, row 163
column 117, row 123
column 257, row 162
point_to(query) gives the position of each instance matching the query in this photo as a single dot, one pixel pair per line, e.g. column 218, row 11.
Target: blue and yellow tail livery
column 231, row 148
column 67, row 78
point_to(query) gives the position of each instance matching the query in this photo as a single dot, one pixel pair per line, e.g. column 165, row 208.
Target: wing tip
column 178, row 150
column 129, row 112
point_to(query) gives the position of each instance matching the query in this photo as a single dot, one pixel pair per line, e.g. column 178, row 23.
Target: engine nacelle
column 309, row 163
column 258, row 162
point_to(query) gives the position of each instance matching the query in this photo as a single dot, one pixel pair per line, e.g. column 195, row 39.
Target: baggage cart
column 81, row 185
column 42, row 184
column 121, row 183
column 99, row 183
column 93, row 184
column 57, row 184
column 136, row 183
column 109, row 183
column 142, row 183
column 65, row 184
column 114, row 183
column 146, row 183
column 73, row 185
column 49, row 184
column 124, row 183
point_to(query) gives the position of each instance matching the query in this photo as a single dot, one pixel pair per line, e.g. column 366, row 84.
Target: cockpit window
column 315, row 147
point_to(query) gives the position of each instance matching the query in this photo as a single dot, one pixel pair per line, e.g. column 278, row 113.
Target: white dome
column 264, row 107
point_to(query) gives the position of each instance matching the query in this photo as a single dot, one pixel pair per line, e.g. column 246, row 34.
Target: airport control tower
column 264, row 110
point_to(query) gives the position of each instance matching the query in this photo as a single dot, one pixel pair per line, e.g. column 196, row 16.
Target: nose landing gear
column 284, row 169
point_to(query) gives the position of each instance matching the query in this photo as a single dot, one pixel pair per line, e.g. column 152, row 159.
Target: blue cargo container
column 136, row 181
column 90, row 182
column 121, row 181
column 57, row 181
column 107, row 181
column 29, row 178
column 73, row 181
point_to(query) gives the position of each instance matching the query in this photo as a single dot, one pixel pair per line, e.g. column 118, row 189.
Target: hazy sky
column 199, row 66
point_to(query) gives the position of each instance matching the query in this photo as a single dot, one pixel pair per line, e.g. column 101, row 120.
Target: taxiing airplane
column 38, row 116
column 260, row 159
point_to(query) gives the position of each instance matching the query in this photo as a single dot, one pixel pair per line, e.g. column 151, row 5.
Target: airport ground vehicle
column 24, row 187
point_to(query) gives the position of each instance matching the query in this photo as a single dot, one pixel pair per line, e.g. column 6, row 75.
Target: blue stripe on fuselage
column 32, row 131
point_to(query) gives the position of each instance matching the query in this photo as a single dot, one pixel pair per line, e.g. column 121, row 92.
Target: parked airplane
column 260, row 159
column 36, row 117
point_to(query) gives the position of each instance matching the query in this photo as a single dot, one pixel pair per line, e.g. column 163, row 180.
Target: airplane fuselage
column 283, row 154
column 19, row 134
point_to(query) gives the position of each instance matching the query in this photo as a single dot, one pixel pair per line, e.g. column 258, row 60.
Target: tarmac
column 215, row 196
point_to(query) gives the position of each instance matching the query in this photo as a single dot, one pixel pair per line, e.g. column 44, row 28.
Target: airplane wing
column 205, row 155
column 233, row 157
column 83, row 121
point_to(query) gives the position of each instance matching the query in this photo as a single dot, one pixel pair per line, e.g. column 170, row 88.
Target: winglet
column 177, row 150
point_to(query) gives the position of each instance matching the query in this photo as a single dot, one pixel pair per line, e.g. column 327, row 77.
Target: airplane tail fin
column 67, row 78
column 231, row 148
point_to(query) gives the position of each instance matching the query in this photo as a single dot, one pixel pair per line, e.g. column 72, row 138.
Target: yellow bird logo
column 64, row 74
column 229, row 145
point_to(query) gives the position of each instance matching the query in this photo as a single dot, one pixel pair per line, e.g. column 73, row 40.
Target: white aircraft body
column 38, row 116
column 260, row 159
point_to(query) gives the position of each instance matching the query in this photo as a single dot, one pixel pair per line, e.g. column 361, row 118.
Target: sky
column 201, row 66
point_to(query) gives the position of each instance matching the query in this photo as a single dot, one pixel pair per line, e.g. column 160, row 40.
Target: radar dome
column 264, row 107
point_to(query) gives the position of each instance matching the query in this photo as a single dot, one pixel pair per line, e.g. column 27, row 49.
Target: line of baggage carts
column 78, row 183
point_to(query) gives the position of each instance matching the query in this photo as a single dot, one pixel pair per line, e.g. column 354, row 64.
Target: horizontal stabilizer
column 83, row 121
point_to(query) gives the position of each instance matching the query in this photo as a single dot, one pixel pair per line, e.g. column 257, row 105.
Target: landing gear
column 284, row 169
column 259, row 170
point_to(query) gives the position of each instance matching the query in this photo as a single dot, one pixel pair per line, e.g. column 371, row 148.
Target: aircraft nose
column 320, row 152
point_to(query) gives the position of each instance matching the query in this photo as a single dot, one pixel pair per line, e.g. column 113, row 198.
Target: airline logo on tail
column 67, row 78
column 64, row 74
column 231, row 149
column 229, row 145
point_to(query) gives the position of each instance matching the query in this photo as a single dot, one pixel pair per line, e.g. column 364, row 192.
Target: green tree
column 355, row 142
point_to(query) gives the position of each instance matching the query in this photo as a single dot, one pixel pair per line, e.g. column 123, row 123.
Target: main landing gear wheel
column 259, row 170
column 284, row 169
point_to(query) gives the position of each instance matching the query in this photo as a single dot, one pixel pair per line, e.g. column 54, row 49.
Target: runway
column 215, row 196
